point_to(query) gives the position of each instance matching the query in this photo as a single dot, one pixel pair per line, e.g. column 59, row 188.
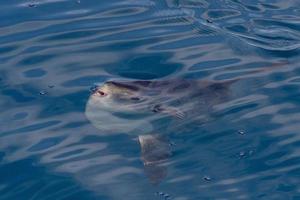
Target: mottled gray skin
column 148, row 108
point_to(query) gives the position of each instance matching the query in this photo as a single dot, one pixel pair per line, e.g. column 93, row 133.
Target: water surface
column 53, row 51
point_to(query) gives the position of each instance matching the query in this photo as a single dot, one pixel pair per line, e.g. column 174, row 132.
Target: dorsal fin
column 127, row 85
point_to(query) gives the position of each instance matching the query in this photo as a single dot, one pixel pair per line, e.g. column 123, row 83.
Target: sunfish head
column 117, row 107
column 118, row 96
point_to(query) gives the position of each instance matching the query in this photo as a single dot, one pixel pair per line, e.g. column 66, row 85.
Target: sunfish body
column 146, row 108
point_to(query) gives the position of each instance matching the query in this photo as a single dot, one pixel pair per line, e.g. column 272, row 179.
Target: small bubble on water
column 172, row 144
column 209, row 21
column 242, row 154
column 43, row 92
column 251, row 152
column 247, row 153
column 206, row 178
column 164, row 195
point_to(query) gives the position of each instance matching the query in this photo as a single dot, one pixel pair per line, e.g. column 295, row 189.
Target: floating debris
column 241, row 132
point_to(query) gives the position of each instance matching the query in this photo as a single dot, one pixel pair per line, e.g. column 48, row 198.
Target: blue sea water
column 53, row 51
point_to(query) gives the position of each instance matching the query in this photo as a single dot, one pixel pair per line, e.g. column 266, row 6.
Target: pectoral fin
column 172, row 111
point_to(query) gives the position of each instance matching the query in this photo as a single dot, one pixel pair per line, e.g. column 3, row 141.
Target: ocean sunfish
column 146, row 109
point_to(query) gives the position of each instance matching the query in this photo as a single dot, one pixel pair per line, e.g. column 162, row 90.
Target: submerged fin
column 155, row 172
column 172, row 111
column 154, row 151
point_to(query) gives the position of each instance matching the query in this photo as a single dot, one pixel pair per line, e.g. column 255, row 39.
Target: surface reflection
column 240, row 139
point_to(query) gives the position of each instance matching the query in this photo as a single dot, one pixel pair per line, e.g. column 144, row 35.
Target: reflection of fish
column 146, row 108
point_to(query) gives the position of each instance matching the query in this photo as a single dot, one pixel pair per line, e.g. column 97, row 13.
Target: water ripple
column 53, row 51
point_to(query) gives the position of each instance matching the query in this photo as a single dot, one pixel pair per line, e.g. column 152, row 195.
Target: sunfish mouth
column 96, row 90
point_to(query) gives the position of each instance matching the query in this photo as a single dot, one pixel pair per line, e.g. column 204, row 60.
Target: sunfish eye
column 101, row 93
